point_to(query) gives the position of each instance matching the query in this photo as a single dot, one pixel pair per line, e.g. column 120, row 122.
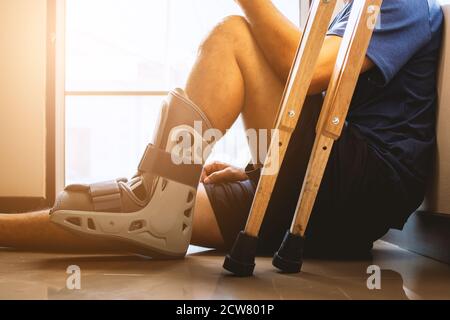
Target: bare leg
column 231, row 74
column 34, row 231
column 231, row 77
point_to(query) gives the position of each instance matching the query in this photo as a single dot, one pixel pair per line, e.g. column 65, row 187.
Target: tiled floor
column 404, row 275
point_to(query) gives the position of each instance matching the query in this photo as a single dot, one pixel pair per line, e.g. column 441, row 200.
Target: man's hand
column 218, row 172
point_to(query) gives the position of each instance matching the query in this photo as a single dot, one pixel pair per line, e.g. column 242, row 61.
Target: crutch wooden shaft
column 316, row 169
column 318, row 161
column 291, row 106
column 337, row 102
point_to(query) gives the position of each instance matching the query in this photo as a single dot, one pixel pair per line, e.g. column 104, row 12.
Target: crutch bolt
column 241, row 260
column 289, row 258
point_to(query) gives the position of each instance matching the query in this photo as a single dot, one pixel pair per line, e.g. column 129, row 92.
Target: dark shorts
column 355, row 205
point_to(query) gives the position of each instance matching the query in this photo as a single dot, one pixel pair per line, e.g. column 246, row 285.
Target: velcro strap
column 160, row 163
column 106, row 196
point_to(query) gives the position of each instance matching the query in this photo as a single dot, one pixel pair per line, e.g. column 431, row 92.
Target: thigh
column 263, row 89
column 231, row 204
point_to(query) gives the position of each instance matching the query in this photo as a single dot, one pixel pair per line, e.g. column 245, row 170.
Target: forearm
column 275, row 34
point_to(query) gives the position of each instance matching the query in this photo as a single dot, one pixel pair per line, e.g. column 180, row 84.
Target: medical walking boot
column 153, row 212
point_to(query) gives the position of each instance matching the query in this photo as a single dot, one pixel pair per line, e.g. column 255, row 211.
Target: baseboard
column 427, row 234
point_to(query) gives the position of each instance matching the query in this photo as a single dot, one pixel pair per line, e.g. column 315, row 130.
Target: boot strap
column 164, row 164
column 106, row 196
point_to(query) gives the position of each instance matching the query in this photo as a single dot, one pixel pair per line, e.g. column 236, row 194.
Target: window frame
column 58, row 167
column 24, row 204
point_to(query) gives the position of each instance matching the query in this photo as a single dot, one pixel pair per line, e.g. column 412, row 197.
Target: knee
column 231, row 30
column 233, row 24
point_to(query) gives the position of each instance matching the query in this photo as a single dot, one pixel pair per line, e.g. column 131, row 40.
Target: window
column 121, row 58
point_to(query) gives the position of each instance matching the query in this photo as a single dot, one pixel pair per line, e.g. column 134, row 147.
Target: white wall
column 22, row 97
column 438, row 199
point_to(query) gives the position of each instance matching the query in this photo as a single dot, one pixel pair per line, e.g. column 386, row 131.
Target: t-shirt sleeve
column 403, row 28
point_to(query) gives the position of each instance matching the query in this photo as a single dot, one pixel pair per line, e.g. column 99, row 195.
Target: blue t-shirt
column 394, row 103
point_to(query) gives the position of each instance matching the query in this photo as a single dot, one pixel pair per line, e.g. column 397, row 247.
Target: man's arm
column 279, row 39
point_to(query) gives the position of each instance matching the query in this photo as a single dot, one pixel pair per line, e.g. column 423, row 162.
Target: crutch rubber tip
column 241, row 260
column 289, row 258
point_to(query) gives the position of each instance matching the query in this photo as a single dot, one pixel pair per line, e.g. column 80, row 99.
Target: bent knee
column 231, row 30
column 234, row 23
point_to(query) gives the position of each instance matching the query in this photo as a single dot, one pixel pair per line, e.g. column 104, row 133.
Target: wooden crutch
column 241, row 260
column 343, row 82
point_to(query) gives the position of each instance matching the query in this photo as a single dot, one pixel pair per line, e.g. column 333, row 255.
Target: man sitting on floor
column 377, row 172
